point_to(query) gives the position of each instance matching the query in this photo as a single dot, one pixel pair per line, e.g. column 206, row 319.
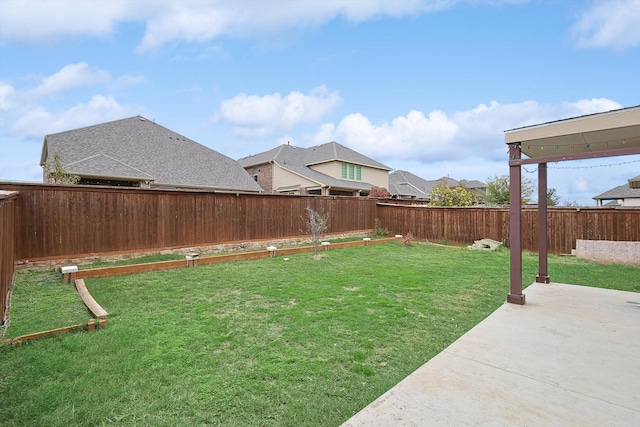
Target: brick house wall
column 263, row 175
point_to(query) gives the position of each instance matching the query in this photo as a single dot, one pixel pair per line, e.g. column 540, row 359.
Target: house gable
column 320, row 167
column 623, row 195
column 140, row 148
column 405, row 185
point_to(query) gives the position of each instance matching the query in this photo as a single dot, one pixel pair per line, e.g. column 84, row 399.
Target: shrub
column 378, row 231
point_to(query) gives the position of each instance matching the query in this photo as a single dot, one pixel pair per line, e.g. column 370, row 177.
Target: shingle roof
column 473, row 184
column 619, row 192
column 334, row 151
column 137, row 148
column 449, row 182
column 403, row 183
column 102, row 165
column 299, row 160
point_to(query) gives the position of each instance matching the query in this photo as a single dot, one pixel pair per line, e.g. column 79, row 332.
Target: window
column 351, row 171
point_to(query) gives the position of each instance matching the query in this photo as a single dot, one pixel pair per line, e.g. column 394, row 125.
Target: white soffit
column 610, row 131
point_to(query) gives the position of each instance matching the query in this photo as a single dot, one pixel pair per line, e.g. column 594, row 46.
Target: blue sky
column 424, row 86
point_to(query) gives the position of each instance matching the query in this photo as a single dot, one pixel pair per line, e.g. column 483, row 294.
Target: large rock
column 485, row 244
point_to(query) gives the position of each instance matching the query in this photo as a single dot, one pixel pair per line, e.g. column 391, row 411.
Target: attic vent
column 142, row 119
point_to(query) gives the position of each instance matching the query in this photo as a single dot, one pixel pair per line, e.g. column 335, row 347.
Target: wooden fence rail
column 53, row 221
column 464, row 225
column 7, row 247
column 63, row 221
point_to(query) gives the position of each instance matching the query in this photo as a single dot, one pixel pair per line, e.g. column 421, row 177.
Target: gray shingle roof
column 406, row 184
column 299, row 160
column 619, row 192
column 403, row 184
column 102, row 165
column 137, row 148
column 449, row 182
column 473, row 184
column 333, row 151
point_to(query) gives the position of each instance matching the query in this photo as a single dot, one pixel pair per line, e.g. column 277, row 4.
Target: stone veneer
column 247, row 246
column 607, row 251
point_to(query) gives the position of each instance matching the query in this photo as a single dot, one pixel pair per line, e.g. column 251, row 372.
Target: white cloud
column 27, row 113
column 469, row 144
column 197, row 21
column 580, row 185
column 478, row 132
column 413, row 135
column 7, row 96
column 592, row 106
column 69, row 76
column 193, row 20
column 30, row 21
column 252, row 115
column 612, row 23
column 39, row 122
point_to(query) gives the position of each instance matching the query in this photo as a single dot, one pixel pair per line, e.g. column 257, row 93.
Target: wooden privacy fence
column 7, row 246
column 464, row 225
column 61, row 221
column 456, row 225
column 54, row 221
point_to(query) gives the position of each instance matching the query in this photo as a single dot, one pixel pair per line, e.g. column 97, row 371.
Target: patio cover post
column 543, row 275
column 593, row 136
column 515, row 295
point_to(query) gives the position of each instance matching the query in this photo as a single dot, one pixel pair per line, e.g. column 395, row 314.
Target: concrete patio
column 569, row 357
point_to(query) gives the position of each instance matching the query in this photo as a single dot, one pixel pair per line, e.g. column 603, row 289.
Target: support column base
column 515, row 299
column 543, row 279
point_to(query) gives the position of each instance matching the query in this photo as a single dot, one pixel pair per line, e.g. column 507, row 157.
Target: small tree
column 571, row 204
column 58, row 175
column 443, row 195
column 553, row 199
column 314, row 225
column 379, row 193
column 498, row 190
column 378, row 231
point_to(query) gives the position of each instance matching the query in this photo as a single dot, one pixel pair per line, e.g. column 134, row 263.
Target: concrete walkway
column 569, row 357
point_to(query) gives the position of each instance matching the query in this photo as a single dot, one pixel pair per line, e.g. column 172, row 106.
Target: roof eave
column 382, row 167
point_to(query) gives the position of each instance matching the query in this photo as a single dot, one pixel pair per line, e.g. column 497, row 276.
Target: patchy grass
column 173, row 257
column 302, row 342
column 41, row 301
column 130, row 261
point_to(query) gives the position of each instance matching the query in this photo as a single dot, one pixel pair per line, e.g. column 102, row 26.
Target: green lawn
column 302, row 342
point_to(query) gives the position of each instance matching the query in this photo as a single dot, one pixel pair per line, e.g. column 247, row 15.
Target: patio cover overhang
column 614, row 133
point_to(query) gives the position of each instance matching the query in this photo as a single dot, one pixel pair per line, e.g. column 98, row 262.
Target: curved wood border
column 91, row 303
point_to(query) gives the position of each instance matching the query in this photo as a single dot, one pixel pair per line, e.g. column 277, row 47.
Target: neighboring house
column 623, row 195
column 477, row 188
column 405, row 185
column 327, row 169
column 137, row 152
